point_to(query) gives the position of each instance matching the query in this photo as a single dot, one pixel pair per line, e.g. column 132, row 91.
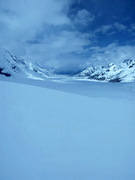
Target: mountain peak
column 10, row 65
column 124, row 72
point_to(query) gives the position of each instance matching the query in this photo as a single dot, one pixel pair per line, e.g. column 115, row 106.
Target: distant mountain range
column 11, row 66
column 124, row 72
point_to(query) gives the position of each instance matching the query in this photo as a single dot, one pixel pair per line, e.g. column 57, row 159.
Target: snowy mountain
column 61, row 129
column 10, row 65
column 124, row 72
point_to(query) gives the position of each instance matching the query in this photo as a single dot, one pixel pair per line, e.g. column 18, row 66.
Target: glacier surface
column 65, row 129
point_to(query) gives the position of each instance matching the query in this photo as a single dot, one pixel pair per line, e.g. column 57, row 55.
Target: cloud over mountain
column 69, row 33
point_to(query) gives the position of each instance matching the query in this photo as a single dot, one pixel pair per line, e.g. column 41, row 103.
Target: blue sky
column 69, row 34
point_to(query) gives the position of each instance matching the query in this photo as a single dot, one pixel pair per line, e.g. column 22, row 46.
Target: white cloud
column 22, row 19
column 83, row 17
column 110, row 28
column 119, row 26
column 133, row 27
column 111, row 53
column 41, row 30
column 104, row 28
column 34, row 12
column 59, row 46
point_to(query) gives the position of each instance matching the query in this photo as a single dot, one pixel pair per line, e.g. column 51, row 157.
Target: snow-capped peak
column 124, row 72
column 11, row 65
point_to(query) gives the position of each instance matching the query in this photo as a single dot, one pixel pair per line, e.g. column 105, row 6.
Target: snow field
column 49, row 134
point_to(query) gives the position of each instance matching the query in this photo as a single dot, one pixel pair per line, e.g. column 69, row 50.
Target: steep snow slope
column 10, row 65
column 125, row 72
column 53, row 135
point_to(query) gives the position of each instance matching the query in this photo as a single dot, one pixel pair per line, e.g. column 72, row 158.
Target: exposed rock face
column 124, row 72
column 10, row 65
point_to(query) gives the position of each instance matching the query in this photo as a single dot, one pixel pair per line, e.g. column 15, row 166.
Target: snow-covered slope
column 125, row 72
column 53, row 135
column 10, row 65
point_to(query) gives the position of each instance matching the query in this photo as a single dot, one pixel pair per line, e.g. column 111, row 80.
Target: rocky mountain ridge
column 11, row 65
column 124, row 72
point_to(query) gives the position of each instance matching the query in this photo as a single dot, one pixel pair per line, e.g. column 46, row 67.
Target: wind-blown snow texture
column 53, row 135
